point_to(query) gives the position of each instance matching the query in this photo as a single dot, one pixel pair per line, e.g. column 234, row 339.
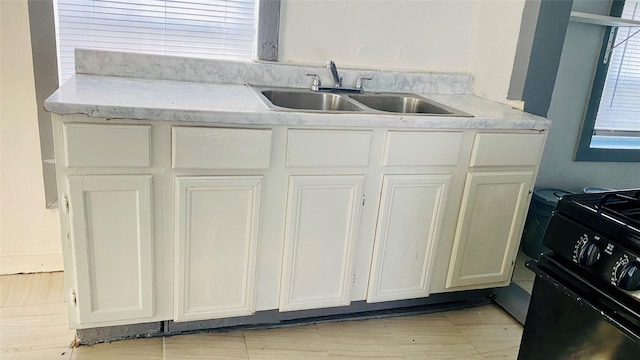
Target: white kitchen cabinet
column 111, row 236
column 494, row 205
column 409, row 220
column 227, row 221
column 217, row 220
column 321, row 230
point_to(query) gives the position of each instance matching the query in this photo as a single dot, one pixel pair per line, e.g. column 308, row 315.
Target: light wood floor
column 33, row 325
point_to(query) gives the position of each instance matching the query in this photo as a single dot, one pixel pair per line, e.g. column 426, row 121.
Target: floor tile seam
column 469, row 340
column 453, row 357
column 257, row 352
column 449, row 325
column 30, row 304
column 396, row 344
column 246, row 347
column 392, row 335
column 322, row 339
column 489, row 326
column 164, row 347
column 483, row 331
column 68, row 352
column 36, row 304
column 324, row 343
column 476, row 348
column 455, row 327
column 493, row 350
column 489, row 321
column 14, row 301
column 36, row 348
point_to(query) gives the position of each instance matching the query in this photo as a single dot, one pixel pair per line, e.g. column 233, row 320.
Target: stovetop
column 598, row 235
column 615, row 214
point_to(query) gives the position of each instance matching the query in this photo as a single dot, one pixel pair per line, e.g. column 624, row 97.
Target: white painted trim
column 603, row 20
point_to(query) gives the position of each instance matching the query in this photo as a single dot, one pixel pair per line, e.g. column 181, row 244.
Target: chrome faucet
column 334, row 72
column 337, row 88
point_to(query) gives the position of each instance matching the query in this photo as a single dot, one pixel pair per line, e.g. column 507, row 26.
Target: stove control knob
column 590, row 254
column 628, row 276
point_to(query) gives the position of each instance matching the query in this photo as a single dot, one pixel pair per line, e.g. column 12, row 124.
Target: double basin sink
column 289, row 99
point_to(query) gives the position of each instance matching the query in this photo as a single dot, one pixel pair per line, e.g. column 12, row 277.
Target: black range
column 585, row 302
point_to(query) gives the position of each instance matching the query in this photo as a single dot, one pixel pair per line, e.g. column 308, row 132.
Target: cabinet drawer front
column 422, row 148
column 507, row 149
column 97, row 145
column 328, row 148
column 209, row 148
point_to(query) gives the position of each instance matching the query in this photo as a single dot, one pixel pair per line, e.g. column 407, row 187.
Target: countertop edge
column 91, row 96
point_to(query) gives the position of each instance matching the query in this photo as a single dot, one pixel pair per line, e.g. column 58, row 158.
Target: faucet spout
column 334, row 72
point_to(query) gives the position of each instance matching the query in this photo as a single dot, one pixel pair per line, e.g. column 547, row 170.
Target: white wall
column 422, row 35
column 477, row 37
column 496, row 28
column 29, row 233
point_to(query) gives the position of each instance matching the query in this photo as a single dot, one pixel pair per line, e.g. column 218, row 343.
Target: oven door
column 570, row 319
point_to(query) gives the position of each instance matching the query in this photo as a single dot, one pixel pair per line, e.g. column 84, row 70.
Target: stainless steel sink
column 405, row 103
column 308, row 101
column 290, row 99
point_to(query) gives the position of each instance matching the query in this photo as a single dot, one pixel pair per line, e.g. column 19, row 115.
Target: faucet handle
column 360, row 81
column 316, row 81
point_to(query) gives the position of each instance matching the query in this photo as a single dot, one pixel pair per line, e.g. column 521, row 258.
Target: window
column 220, row 29
column 611, row 130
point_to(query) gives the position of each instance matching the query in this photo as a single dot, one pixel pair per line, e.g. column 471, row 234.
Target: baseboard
column 17, row 264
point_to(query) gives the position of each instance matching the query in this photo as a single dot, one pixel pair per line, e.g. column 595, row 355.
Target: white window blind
column 219, row 29
column 619, row 110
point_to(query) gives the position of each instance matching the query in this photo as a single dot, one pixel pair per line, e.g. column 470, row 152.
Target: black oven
column 585, row 302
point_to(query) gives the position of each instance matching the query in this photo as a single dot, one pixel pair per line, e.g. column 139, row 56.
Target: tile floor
column 33, row 325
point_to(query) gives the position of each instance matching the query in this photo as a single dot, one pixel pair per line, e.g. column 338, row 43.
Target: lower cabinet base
column 273, row 318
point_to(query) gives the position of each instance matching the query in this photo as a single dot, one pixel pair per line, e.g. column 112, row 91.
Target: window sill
column 603, row 20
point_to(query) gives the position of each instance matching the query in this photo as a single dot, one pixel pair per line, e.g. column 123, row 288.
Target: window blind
column 219, row 29
column 619, row 110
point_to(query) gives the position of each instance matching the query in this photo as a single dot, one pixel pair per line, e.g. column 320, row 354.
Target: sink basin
column 307, row 100
column 405, row 103
column 293, row 99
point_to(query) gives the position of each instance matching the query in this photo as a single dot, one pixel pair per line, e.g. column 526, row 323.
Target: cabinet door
column 321, row 228
column 494, row 206
column 217, row 236
column 111, row 232
column 411, row 211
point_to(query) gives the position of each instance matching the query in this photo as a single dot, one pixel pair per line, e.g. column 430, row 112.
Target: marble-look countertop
column 152, row 99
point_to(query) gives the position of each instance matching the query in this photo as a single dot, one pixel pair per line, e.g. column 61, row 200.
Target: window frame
column 583, row 151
